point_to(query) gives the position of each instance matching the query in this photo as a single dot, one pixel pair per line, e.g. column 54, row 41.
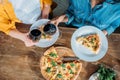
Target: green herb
column 48, row 69
column 53, row 63
column 92, row 40
column 106, row 73
column 72, row 64
column 63, row 65
column 59, row 75
column 71, row 72
column 53, row 55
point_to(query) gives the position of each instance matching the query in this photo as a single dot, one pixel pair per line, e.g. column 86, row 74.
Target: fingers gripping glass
column 49, row 29
column 35, row 34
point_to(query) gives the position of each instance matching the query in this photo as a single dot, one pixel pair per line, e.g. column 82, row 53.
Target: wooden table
column 18, row 62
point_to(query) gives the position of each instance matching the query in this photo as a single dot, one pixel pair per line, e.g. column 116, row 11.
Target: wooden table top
column 18, row 62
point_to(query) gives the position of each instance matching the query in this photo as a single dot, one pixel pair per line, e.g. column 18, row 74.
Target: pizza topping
column 48, row 69
column 53, row 63
column 68, row 67
column 59, row 75
column 52, row 54
column 49, row 60
column 71, row 72
column 67, row 74
column 72, row 64
column 63, row 65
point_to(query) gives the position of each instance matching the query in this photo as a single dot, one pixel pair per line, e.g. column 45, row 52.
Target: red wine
column 35, row 34
column 49, row 29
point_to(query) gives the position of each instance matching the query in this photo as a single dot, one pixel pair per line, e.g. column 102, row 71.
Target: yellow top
column 8, row 17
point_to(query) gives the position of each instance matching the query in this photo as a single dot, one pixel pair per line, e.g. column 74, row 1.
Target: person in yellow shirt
column 23, row 11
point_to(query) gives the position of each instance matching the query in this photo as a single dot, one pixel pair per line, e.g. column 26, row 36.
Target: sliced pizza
column 48, row 64
column 52, row 53
column 52, row 67
column 49, row 68
column 91, row 41
column 68, row 71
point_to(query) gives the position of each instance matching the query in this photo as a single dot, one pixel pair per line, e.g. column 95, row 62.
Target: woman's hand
column 22, row 36
column 27, row 41
column 57, row 20
column 105, row 32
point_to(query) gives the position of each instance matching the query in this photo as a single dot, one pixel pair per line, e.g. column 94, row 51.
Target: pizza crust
column 78, row 71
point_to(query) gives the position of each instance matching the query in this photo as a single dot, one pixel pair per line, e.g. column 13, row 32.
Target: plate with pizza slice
column 53, row 68
column 89, row 43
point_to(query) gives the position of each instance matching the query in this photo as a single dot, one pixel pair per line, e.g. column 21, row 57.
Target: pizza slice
column 49, row 68
column 68, row 71
column 91, row 41
column 52, row 53
column 52, row 67
column 49, row 65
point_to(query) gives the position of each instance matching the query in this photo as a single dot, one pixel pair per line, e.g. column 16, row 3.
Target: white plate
column 45, row 42
column 84, row 53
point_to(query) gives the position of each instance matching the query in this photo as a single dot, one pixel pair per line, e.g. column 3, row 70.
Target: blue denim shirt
column 105, row 16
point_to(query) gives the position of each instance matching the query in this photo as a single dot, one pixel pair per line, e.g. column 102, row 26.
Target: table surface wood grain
column 18, row 62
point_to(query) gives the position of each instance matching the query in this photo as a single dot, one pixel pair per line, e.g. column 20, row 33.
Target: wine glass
column 35, row 34
column 50, row 29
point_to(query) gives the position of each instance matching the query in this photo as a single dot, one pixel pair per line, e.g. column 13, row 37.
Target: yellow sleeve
column 45, row 2
column 7, row 27
column 7, row 17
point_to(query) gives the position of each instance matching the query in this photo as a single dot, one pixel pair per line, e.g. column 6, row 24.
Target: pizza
column 68, row 71
column 91, row 41
column 52, row 67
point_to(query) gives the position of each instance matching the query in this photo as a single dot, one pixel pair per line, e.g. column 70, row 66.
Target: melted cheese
column 91, row 41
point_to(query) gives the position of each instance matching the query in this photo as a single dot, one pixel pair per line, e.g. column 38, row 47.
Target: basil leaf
column 72, row 64
column 53, row 55
column 48, row 69
column 53, row 63
column 59, row 75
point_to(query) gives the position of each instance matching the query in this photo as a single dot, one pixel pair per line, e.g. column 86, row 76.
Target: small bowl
column 94, row 76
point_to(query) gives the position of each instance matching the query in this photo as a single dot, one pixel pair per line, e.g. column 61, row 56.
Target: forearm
column 16, row 34
column 22, row 36
column 46, row 11
column 62, row 18
column 65, row 18
column 105, row 32
column 59, row 19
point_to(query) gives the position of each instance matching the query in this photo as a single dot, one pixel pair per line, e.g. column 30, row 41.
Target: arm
column 46, row 11
column 105, row 32
column 10, row 30
column 67, row 18
column 111, row 28
column 57, row 20
column 46, row 8
column 7, row 24
column 21, row 36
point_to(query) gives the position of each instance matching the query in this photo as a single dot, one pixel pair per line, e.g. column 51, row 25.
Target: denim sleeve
column 70, row 12
column 113, row 26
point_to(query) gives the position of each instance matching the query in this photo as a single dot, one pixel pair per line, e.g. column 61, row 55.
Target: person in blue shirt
column 103, row 14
